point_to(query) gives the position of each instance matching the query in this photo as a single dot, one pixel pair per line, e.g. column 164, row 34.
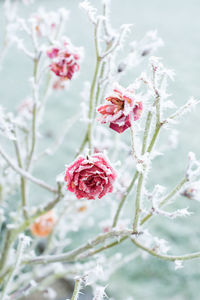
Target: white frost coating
column 6, row 124
column 183, row 212
column 90, row 10
column 193, row 169
column 178, row 264
column 161, row 245
column 192, row 191
column 99, row 293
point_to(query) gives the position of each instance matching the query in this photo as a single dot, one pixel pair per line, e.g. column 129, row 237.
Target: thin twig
column 23, row 184
column 77, row 288
column 71, row 256
column 166, row 199
column 14, row 269
column 119, row 208
column 167, row 257
column 25, row 174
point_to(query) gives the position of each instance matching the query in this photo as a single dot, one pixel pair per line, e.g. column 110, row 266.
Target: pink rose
column 65, row 60
column 91, row 177
column 121, row 110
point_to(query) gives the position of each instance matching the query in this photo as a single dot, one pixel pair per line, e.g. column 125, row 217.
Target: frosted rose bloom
column 91, row 177
column 121, row 109
column 65, row 60
column 44, row 225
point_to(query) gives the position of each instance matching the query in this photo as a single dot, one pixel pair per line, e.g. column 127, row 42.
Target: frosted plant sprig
column 109, row 34
column 6, row 124
column 77, row 288
column 10, row 13
column 8, row 181
column 190, row 104
column 99, row 293
column 156, row 194
column 193, row 168
column 142, row 169
column 183, row 212
column 141, row 49
column 172, row 258
column 21, row 46
column 124, row 30
column 23, row 26
column 71, row 255
column 90, row 11
column 10, row 10
column 165, row 200
column 141, row 178
column 49, row 24
column 156, row 65
column 22, row 243
column 25, row 174
column 88, row 136
column 99, row 73
column 12, row 233
column 41, row 24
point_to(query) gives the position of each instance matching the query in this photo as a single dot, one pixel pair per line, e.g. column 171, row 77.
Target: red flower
column 65, row 60
column 121, row 110
column 44, row 225
column 90, row 177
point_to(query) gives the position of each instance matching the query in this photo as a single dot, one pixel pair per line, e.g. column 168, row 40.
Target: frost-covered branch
column 25, row 174
column 167, row 257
